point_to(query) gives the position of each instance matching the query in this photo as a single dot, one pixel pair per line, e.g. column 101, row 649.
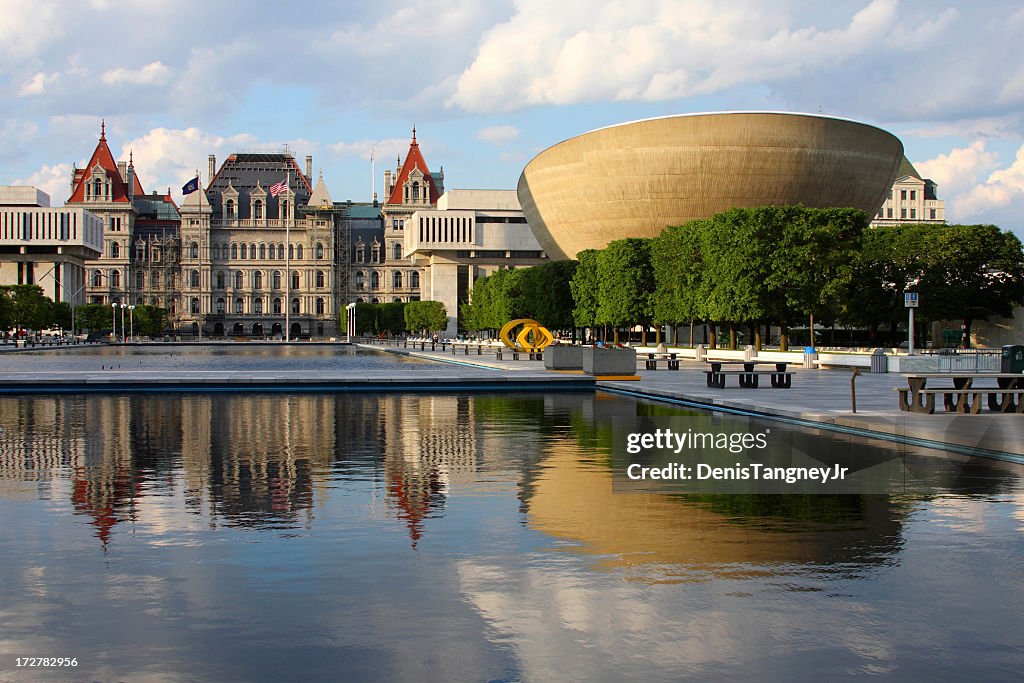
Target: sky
column 488, row 85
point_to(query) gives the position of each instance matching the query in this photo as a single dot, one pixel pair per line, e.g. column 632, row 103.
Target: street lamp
column 123, row 306
column 131, row 322
column 113, row 317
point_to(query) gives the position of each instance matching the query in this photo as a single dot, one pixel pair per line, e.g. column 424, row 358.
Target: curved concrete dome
column 634, row 179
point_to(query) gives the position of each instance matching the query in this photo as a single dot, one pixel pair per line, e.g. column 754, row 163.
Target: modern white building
column 46, row 246
column 471, row 234
column 912, row 199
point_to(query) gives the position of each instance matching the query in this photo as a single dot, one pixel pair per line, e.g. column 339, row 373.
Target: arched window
column 277, row 306
column 220, row 279
column 115, row 278
column 263, row 251
column 252, row 252
column 397, row 251
column 115, row 250
column 414, row 279
column 319, row 305
column 415, row 191
column 295, row 306
column 291, row 252
column 234, row 251
column 319, row 278
column 193, row 278
column 242, row 251
column 360, row 252
column 97, row 278
column 295, row 279
column 375, row 280
column 229, row 209
column 319, row 252
column 194, row 305
column 257, row 210
column 396, row 279
column 272, row 250
column 376, row 253
column 284, row 209
column 239, row 304
column 194, row 250
column 280, row 252
column 277, row 279
column 239, row 280
column 397, row 299
column 360, row 280
column 215, row 251
column 97, row 188
column 220, row 305
column 140, row 280
column 298, row 251
column 257, row 306
column 257, row 280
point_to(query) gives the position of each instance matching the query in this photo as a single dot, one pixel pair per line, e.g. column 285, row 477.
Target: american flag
column 279, row 188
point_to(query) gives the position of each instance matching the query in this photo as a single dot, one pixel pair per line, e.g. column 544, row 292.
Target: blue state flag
column 191, row 186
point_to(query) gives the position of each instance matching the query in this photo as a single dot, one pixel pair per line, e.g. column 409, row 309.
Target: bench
column 651, row 362
column 748, row 376
column 963, row 397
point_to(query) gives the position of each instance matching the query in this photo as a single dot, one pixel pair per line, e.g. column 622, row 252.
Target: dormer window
column 257, row 210
column 229, row 209
column 415, row 192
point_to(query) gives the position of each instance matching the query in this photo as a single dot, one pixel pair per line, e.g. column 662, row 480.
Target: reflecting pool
column 243, row 537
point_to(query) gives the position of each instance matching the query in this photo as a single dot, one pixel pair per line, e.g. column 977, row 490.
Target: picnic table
column 748, row 376
column 964, row 396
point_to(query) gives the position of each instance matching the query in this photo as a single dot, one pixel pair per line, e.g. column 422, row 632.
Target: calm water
column 467, row 538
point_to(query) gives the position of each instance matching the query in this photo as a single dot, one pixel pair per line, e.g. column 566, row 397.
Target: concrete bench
column 748, row 379
column 671, row 359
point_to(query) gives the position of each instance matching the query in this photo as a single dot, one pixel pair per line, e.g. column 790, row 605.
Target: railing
column 969, row 360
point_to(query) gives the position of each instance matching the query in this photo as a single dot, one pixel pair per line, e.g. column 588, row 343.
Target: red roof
column 103, row 157
column 414, row 159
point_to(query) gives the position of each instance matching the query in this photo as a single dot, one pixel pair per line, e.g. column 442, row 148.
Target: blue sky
column 490, row 84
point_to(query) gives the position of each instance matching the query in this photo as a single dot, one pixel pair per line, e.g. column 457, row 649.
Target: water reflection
column 460, row 537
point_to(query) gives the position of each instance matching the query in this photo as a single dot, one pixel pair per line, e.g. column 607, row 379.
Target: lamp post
column 113, row 324
column 131, row 322
column 123, row 306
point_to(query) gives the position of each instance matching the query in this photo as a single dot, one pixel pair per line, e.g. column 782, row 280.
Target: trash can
column 701, row 353
column 749, row 353
column 1013, row 359
column 810, row 355
column 879, row 361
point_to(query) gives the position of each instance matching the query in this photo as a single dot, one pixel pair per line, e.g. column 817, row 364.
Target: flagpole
column 199, row 203
column 287, row 263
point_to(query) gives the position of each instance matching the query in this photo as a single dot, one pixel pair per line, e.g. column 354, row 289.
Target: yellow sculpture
column 533, row 338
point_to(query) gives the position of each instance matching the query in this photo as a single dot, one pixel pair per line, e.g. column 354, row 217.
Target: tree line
column 748, row 269
column 396, row 318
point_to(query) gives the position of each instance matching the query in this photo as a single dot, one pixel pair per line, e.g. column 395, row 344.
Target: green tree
column 93, row 317
column 391, row 318
column 545, row 294
column 425, row 316
column 30, row 308
column 626, row 284
column 366, row 318
column 584, row 287
column 677, row 260
column 148, row 321
column 6, row 310
column 61, row 314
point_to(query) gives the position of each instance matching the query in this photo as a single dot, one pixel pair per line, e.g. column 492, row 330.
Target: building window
column 257, row 306
column 239, row 280
column 234, row 251
column 414, row 279
column 295, row 279
column 360, row 280
column 239, row 304
column 229, row 209
column 242, row 251
column 155, row 280
column 252, row 252
column 276, row 279
column 115, row 279
column 140, row 280
column 396, row 279
column 272, row 249
column 319, row 254
column 360, row 252
column 888, row 213
column 277, row 306
column 257, row 280
column 903, row 194
column 903, row 213
column 298, row 251
column 397, row 251
column 193, row 278
column 291, row 252
column 194, row 305
column 375, row 280
column 931, row 214
column 220, row 279
column 319, row 306
column 295, row 306
column 263, row 251
column 280, row 252
column 913, row 213
column 194, row 250
column 913, row 195
column 284, row 210
column 319, row 278
column 215, row 251
column 415, row 191
column 257, row 210
column 115, row 250
column 220, row 305
column 376, row 253
column 97, row 278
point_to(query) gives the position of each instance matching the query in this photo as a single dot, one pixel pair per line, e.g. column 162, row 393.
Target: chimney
column 122, row 168
column 213, row 169
column 309, row 166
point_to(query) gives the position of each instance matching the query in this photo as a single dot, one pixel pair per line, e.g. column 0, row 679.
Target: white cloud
column 37, row 84
column 54, row 180
column 27, row 26
column 498, row 135
column 961, row 168
column 1001, row 195
column 154, row 73
column 383, row 150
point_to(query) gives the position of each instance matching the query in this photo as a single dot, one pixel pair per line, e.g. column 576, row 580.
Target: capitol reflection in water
column 461, row 537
